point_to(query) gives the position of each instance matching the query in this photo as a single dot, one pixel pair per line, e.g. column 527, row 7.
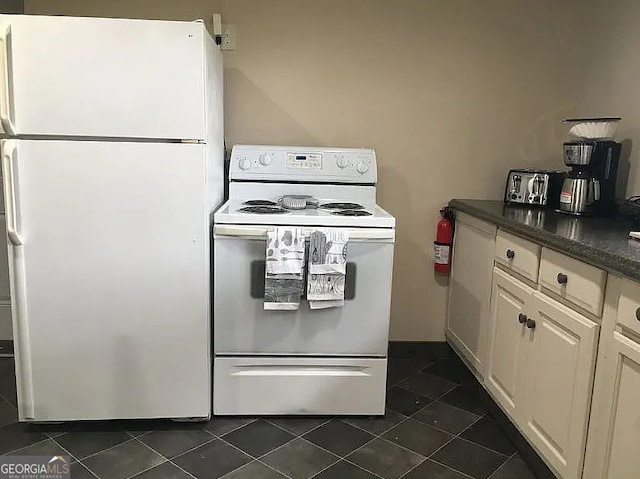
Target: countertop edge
column 602, row 259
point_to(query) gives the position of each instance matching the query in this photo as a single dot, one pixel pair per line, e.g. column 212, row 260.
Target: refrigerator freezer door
column 109, row 279
column 96, row 77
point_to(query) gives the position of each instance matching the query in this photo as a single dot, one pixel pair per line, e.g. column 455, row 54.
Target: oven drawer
column 278, row 386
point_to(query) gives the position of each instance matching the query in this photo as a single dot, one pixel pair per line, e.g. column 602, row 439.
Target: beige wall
column 450, row 93
column 612, row 82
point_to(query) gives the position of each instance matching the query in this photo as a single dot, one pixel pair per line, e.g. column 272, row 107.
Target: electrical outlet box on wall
column 228, row 37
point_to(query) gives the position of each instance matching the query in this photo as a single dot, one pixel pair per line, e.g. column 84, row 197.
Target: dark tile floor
column 435, row 428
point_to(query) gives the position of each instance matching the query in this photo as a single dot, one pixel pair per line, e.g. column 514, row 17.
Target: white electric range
column 327, row 361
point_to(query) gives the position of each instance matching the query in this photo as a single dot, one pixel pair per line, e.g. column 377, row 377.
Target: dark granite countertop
column 602, row 242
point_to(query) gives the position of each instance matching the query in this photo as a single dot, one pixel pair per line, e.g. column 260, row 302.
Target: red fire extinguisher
column 444, row 242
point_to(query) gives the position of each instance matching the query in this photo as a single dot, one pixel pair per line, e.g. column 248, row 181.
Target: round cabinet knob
column 362, row 167
column 265, row 160
column 638, row 314
column 522, row 318
column 562, row 278
column 244, row 163
column 531, row 323
column 342, row 162
column 510, row 254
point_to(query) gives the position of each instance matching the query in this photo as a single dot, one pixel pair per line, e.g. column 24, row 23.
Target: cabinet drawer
column 629, row 305
column 298, row 385
column 573, row 280
column 518, row 255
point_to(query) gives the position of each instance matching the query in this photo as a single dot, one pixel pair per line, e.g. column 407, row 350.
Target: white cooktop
column 230, row 213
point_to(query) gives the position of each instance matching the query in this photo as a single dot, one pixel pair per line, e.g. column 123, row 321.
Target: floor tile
column 85, row 443
column 385, row 459
column 298, row 425
column 377, row 425
column 255, row 470
column 123, row 461
column 258, row 438
column 418, row 437
column 19, row 435
column 338, row 437
column 415, row 364
column 446, row 417
column 8, row 413
column 48, row 447
column 469, row 458
column 487, row 433
column 222, row 425
column 212, row 460
column 8, row 380
column 432, row 470
column 453, row 369
column 344, row 470
column 404, row 401
column 397, row 372
column 513, row 469
column 299, row 458
column 467, row 398
column 166, row 470
column 173, row 443
column 78, row 471
column 428, row 385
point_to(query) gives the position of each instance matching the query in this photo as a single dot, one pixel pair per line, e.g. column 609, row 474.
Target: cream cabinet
column 540, row 370
column 557, row 383
column 470, row 290
column 507, row 340
column 614, row 427
column 620, row 458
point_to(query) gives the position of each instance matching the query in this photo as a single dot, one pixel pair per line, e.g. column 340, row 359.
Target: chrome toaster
column 534, row 187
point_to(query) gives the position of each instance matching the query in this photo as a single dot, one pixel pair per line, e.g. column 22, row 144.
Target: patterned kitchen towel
column 284, row 271
column 327, row 267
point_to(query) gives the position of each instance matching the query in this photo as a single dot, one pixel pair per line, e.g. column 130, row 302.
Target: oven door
column 242, row 326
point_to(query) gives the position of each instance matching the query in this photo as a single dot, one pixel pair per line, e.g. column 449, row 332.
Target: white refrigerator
column 112, row 160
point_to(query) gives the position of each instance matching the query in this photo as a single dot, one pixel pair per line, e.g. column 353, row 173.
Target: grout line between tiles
column 452, row 468
column 87, row 469
column 299, row 435
column 103, row 450
column 254, row 457
column 166, row 459
column 485, row 447
column 232, row 430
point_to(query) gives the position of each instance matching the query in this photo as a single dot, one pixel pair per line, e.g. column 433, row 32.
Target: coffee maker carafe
column 590, row 186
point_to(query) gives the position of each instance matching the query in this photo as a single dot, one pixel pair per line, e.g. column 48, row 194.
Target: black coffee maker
column 590, row 186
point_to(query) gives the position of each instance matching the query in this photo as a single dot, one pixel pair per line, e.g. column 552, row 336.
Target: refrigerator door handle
column 6, row 88
column 9, row 152
column 24, row 369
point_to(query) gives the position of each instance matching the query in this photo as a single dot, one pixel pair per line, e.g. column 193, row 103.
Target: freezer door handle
column 6, row 88
column 9, row 153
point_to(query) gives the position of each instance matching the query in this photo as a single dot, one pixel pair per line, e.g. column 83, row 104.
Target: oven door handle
column 384, row 235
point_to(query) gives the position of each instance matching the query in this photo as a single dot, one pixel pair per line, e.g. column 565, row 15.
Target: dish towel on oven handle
column 284, row 269
column 327, row 267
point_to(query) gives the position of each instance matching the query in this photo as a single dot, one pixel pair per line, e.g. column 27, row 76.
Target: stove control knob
column 362, row 167
column 342, row 162
column 244, row 163
column 265, row 160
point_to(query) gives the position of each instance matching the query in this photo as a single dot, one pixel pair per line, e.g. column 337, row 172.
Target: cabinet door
column 558, row 384
column 507, row 348
column 470, row 290
column 623, row 415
